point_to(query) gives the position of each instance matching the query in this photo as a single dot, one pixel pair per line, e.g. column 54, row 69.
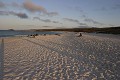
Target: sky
column 48, row 14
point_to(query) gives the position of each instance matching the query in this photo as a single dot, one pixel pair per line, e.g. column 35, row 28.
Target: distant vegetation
column 108, row 30
column 11, row 29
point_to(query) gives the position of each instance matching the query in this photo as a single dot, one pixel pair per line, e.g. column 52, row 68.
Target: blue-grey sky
column 39, row 14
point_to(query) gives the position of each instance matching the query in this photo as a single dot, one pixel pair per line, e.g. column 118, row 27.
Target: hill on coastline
column 107, row 30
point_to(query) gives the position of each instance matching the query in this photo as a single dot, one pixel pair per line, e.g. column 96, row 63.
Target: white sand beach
column 64, row 57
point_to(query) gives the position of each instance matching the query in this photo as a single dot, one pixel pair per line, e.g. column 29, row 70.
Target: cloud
column 74, row 20
column 52, row 14
column 84, row 16
column 83, row 24
column 37, row 18
column 4, row 13
column 2, row 4
column 117, row 6
column 114, row 7
column 55, row 21
column 71, row 20
column 20, row 15
column 92, row 21
column 102, row 9
column 78, row 9
column 31, row 7
column 111, row 25
column 43, row 20
column 46, row 20
column 87, row 19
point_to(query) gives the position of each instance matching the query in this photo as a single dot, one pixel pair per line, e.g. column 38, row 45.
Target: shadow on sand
column 63, row 53
column 1, row 60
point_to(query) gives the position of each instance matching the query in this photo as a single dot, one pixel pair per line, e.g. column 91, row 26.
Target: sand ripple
column 64, row 57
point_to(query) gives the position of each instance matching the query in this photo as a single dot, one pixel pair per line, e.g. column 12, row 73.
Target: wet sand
column 64, row 57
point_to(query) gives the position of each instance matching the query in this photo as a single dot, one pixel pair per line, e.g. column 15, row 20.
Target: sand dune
column 64, row 57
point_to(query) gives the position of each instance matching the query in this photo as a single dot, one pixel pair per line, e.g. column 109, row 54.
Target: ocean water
column 10, row 33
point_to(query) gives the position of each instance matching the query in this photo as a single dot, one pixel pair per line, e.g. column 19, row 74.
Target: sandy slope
column 62, row 57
